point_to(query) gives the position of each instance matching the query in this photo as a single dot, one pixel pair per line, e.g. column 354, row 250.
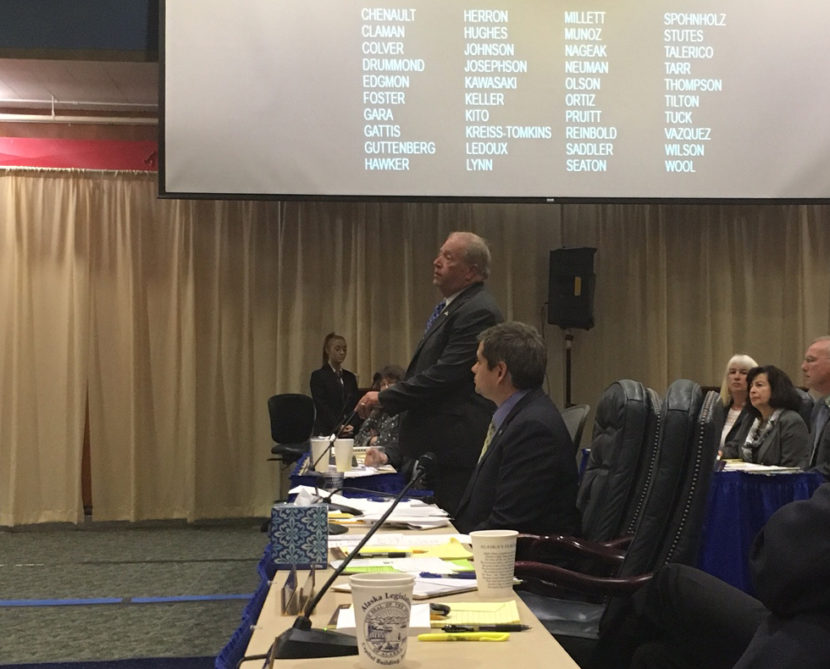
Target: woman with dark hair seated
column 776, row 435
column 381, row 429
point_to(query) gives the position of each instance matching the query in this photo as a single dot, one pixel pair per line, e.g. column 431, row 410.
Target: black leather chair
column 806, row 409
column 612, row 496
column 608, row 482
column 588, row 623
column 575, row 418
column 292, row 422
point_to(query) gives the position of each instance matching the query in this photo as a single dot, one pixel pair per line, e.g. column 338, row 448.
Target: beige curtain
column 174, row 321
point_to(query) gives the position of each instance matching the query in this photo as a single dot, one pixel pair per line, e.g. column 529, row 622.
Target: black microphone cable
column 424, row 462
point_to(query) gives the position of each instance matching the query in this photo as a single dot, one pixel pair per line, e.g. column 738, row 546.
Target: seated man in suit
column 816, row 370
column 526, row 476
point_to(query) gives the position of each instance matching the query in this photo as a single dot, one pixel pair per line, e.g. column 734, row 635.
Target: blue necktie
column 435, row 314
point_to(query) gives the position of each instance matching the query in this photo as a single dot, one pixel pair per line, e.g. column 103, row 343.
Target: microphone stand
column 300, row 640
column 334, row 528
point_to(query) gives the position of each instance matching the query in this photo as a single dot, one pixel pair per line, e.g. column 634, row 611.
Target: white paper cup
column 382, row 603
column 494, row 556
column 318, row 448
column 343, row 450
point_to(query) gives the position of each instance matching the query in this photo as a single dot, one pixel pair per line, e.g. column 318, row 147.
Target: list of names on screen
column 592, row 100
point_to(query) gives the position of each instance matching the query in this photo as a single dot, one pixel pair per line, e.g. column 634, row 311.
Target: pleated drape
column 169, row 323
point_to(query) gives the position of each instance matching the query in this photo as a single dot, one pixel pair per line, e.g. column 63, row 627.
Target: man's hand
column 367, row 403
column 375, row 457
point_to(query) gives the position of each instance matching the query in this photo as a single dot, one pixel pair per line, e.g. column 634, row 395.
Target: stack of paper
column 752, row 468
column 411, row 513
column 426, row 588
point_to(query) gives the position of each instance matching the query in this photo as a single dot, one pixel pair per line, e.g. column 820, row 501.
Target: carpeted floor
column 144, row 663
column 93, row 593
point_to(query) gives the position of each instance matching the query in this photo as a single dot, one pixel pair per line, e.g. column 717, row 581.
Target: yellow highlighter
column 465, row 636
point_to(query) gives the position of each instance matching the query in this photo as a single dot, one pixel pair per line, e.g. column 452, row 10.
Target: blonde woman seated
column 776, row 433
column 733, row 395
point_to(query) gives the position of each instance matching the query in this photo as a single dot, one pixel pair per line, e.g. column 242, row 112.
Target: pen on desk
column 466, row 636
column 506, row 627
column 385, row 554
column 460, row 574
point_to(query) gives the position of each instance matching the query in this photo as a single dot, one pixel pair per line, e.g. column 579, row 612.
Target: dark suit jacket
column 786, row 444
column 791, row 574
column 820, row 459
column 333, row 401
column 443, row 412
column 527, row 479
column 742, row 418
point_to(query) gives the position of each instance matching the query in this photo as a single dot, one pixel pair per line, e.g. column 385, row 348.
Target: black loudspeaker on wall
column 571, row 288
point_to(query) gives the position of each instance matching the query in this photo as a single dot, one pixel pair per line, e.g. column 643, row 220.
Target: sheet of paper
column 752, row 468
column 450, row 550
column 418, row 620
column 362, row 471
column 398, row 541
column 426, row 588
column 411, row 513
column 411, row 565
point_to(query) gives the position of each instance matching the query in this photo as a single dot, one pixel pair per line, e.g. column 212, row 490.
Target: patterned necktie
column 490, row 432
column 435, row 314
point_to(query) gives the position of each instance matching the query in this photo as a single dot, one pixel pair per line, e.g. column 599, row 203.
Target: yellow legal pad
column 452, row 550
column 480, row 613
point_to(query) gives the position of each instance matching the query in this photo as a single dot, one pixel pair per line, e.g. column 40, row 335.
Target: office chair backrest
column 685, row 528
column 292, row 418
column 648, row 464
column 806, row 408
column 616, row 446
column 672, row 503
column 575, row 417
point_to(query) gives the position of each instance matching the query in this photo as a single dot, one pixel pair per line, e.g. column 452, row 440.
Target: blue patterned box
column 299, row 536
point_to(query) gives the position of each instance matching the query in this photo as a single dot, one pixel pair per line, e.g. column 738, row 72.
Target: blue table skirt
column 739, row 506
column 390, row 483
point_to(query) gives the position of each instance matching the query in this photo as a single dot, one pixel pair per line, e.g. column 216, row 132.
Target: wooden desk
column 532, row 648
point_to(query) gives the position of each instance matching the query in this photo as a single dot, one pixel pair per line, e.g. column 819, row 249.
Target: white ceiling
column 75, row 86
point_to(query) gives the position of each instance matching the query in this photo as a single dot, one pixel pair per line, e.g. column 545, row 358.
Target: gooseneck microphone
column 300, row 640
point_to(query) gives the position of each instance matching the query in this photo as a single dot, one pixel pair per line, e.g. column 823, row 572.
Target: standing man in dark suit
column 443, row 413
column 526, row 478
column 816, row 370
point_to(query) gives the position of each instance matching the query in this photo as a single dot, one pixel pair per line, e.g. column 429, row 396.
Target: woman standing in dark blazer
column 776, row 435
column 334, row 389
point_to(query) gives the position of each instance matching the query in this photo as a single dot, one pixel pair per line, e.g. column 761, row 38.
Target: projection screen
column 530, row 100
